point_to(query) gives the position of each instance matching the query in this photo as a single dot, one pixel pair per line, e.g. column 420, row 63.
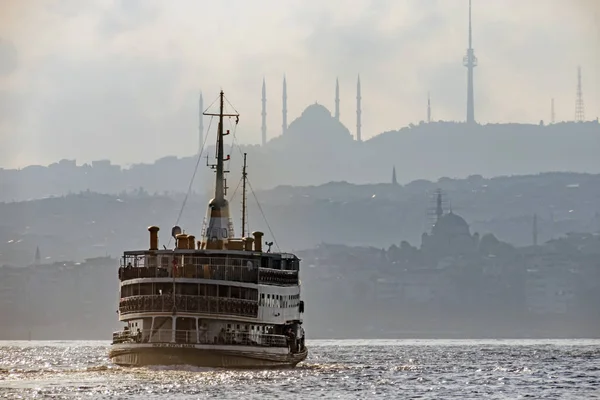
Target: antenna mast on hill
column 579, row 108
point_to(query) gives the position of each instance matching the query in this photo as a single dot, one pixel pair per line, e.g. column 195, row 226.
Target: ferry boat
column 220, row 301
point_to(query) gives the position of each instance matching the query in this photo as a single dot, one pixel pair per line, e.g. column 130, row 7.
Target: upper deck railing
column 200, row 337
column 235, row 269
column 214, row 272
column 190, row 304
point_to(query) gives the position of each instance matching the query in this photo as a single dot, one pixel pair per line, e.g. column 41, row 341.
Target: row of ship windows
column 268, row 329
column 279, row 301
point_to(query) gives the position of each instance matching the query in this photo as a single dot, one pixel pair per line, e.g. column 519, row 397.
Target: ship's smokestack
column 248, row 243
column 153, row 237
column 191, row 242
column 182, row 241
column 257, row 240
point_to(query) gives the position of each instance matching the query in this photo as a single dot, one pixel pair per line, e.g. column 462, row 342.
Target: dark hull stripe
column 145, row 356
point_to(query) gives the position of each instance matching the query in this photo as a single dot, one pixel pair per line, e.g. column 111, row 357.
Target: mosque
column 316, row 125
column 315, row 122
column 450, row 235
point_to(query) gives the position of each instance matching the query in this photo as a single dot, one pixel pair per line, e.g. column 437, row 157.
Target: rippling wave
column 348, row 369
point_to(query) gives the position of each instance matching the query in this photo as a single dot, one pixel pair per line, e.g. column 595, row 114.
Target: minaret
column 284, row 125
column 470, row 61
column 579, row 108
column 38, row 258
column 200, row 124
column 358, row 111
column 535, row 230
column 394, row 180
column 264, row 114
column 337, row 99
column 439, row 211
column 428, row 108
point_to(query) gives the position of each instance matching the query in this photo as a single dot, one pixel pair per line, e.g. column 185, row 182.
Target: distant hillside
column 89, row 224
column 318, row 149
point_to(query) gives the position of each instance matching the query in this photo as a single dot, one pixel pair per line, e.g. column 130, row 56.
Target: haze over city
column 407, row 201
column 120, row 80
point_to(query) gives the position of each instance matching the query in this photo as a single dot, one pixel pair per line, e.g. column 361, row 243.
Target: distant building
column 450, row 235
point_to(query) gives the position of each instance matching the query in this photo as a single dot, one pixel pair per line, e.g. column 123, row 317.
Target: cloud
column 119, row 79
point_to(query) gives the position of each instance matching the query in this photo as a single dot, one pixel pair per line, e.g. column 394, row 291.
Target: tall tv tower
column 263, row 127
column 337, row 99
column 579, row 108
column 470, row 61
column 358, row 111
column 284, row 125
column 200, row 124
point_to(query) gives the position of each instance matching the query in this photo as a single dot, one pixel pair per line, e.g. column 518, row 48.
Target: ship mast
column 218, row 229
column 244, row 175
column 219, row 166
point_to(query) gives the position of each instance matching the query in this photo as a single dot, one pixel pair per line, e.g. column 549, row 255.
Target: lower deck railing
column 200, row 337
column 185, row 303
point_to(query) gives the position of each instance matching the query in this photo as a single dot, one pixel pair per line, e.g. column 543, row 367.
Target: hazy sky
column 119, row 79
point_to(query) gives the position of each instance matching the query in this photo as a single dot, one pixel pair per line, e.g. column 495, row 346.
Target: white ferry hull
column 209, row 356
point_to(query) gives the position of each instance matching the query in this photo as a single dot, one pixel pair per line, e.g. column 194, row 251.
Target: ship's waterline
column 203, row 356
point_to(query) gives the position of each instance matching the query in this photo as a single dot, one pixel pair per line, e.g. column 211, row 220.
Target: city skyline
column 143, row 96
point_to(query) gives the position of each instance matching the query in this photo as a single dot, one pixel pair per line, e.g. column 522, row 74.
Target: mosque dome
column 316, row 122
column 451, row 225
column 316, row 111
